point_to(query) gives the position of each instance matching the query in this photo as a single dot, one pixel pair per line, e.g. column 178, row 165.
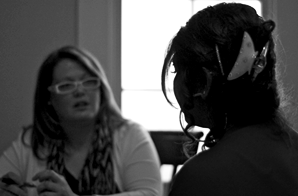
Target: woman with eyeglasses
column 226, row 80
column 79, row 143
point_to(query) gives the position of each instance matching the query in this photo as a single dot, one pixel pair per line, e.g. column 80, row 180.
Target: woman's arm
column 12, row 180
column 10, row 160
column 139, row 161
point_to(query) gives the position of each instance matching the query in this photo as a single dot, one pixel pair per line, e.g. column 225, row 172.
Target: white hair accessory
column 245, row 59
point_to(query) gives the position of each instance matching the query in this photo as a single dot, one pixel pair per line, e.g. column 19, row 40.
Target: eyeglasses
column 69, row 87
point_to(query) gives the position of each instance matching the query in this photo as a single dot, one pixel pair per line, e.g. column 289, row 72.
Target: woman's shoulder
column 206, row 160
column 25, row 136
column 203, row 169
column 196, row 170
column 131, row 134
column 23, row 139
column 131, row 129
column 20, row 148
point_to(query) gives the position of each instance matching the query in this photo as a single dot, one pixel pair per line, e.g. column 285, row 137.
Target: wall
column 99, row 31
column 30, row 29
column 33, row 28
column 287, row 31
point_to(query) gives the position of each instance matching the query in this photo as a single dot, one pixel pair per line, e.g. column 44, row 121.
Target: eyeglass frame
column 55, row 87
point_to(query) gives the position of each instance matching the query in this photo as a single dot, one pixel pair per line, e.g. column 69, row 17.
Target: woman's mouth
column 81, row 105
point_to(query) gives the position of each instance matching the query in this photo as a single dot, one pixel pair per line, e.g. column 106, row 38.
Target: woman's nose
column 80, row 90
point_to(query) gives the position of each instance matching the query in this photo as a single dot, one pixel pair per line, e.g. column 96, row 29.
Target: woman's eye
column 66, row 86
column 91, row 83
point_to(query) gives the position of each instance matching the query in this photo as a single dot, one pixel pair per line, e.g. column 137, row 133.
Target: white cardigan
column 135, row 160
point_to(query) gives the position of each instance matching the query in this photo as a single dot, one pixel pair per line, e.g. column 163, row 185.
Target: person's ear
column 203, row 94
column 188, row 105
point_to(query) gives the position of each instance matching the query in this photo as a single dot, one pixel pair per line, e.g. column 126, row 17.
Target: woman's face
column 195, row 109
column 81, row 104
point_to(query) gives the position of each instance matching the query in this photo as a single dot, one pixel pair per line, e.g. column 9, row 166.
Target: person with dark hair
column 226, row 80
column 79, row 142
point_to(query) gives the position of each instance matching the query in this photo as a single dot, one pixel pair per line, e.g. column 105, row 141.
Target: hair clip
column 219, row 60
column 245, row 59
column 260, row 62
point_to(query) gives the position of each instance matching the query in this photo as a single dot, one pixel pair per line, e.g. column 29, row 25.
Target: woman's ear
column 203, row 94
column 188, row 105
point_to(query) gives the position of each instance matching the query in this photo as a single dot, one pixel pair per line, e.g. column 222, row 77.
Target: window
column 147, row 28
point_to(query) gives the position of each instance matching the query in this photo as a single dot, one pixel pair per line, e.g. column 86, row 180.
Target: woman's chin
column 81, row 116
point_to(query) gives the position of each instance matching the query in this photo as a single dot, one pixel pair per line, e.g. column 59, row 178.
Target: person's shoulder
column 20, row 146
column 212, row 162
column 129, row 137
column 293, row 141
column 249, row 137
column 205, row 160
column 131, row 129
column 195, row 175
column 23, row 139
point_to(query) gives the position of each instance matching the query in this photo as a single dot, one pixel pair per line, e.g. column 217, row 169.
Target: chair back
column 169, row 145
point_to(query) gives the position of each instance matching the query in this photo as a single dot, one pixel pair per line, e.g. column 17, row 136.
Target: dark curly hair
column 236, row 103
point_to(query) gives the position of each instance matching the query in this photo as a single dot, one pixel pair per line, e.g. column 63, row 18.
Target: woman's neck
column 79, row 134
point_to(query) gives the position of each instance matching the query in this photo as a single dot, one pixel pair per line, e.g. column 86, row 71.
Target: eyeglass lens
column 71, row 86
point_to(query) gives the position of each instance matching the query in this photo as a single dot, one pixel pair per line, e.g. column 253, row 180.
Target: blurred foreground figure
column 226, row 80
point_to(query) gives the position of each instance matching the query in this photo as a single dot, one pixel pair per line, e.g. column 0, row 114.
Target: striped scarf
column 97, row 175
